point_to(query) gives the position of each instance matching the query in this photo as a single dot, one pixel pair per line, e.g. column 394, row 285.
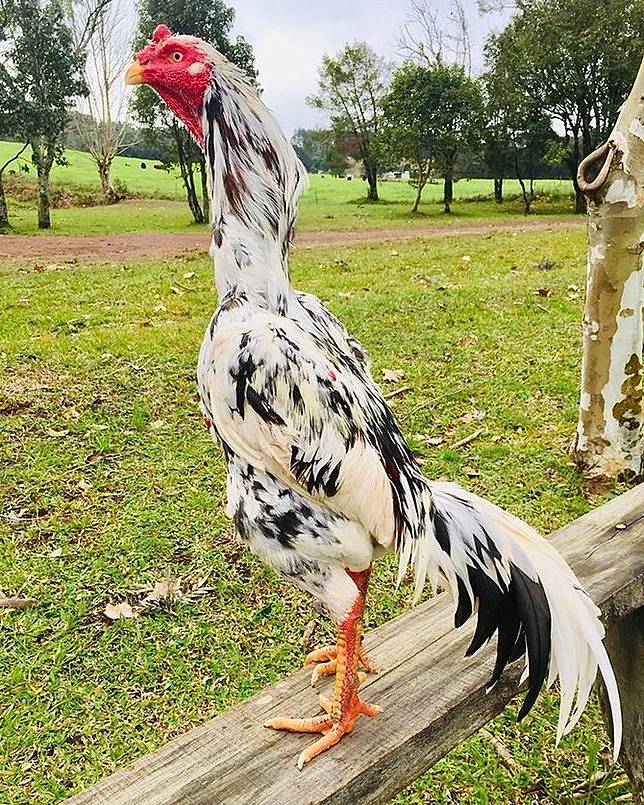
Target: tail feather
column 520, row 587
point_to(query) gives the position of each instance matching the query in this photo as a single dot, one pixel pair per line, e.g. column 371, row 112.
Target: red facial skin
column 166, row 66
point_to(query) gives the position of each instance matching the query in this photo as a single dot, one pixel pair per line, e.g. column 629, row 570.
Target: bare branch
column 428, row 38
column 13, row 159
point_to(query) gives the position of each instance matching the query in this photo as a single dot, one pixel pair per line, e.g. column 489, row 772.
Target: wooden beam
column 433, row 698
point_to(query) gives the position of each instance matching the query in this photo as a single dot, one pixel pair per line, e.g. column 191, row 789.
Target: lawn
column 81, row 170
column 109, row 484
column 329, row 203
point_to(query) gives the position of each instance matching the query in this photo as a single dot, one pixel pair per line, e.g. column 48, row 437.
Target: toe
column 320, row 655
column 323, row 669
column 321, row 745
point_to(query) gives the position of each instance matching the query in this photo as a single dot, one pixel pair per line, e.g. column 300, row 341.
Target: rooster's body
column 320, row 479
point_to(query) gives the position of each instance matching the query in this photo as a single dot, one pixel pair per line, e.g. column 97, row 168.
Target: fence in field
column 433, row 698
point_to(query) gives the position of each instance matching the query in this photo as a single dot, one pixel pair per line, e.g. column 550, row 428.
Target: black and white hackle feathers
column 320, row 479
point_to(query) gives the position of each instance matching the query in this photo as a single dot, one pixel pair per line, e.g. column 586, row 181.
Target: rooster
column 320, row 480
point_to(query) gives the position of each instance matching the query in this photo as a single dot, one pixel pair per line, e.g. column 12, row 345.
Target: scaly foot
column 325, row 661
column 332, row 728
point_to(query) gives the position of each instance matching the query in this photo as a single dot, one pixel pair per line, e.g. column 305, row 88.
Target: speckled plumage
column 320, row 478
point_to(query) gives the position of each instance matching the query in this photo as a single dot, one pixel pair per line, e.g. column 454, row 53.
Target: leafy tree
column 518, row 135
column 319, row 151
column 432, row 115
column 576, row 60
column 40, row 76
column 211, row 20
column 351, row 87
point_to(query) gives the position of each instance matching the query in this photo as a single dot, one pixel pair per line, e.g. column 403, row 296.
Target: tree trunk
column 42, row 157
column 422, row 180
column 104, row 167
column 4, row 212
column 205, row 194
column 448, row 191
column 610, row 432
column 498, row 191
column 187, row 175
column 371, row 169
column 580, row 199
column 527, row 197
column 573, row 165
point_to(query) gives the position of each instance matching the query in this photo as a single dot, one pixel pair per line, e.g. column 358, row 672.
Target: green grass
column 328, row 204
column 108, row 482
column 81, row 170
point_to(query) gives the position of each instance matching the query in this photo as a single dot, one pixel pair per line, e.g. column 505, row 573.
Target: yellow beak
column 134, row 73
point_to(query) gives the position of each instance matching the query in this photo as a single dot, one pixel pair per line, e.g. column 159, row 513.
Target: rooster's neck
column 255, row 181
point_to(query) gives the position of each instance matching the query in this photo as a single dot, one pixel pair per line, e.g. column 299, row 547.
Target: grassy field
column 109, row 484
column 329, row 203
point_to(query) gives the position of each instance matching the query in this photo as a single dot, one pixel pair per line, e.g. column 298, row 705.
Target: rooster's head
column 179, row 69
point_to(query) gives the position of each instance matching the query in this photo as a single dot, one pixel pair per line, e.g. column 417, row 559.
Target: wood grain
column 433, row 698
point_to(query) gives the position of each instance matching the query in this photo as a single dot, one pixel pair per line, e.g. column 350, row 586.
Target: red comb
column 161, row 32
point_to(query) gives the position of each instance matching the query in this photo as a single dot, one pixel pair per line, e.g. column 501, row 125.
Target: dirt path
column 119, row 248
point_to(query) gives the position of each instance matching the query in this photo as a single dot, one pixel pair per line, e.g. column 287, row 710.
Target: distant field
column 328, row 204
column 82, row 170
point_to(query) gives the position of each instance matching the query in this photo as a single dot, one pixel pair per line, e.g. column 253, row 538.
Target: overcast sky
column 290, row 37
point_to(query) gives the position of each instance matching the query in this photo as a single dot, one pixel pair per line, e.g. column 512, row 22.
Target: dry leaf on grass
column 433, row 441
column 392, row 375
column 8, row 602
column 309, row 632
column 472, row 416
column 158, row 424
column 543, row 292
column 189, row 275
column 120, row 611
column 93, row 458
column 176, row 290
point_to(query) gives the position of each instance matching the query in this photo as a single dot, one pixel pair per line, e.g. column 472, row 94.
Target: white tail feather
column 468, row 537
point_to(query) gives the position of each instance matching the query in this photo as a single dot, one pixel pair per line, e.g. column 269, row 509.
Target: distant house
column 397, row 176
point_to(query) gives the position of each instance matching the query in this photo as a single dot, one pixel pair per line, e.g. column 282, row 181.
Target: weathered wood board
column 433, row 698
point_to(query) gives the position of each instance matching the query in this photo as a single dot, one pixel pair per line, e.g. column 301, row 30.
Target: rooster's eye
column 177, row 56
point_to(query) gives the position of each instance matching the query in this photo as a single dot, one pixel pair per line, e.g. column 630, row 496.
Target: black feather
column 464, row 609
column 509, row 628
column 491, row 600
column 534, row 611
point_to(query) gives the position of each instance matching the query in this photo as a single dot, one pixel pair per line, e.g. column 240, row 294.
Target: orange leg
column 325, row 661
column 341, row 713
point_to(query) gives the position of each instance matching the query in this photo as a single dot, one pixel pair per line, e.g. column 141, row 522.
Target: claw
column 323, row 669
column 332, row 730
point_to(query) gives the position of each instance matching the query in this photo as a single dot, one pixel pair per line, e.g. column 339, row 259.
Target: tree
column 518, row 134
column 351, row 87
column 40, row 78
column 576, row 60
column 319, row 151
column 211, row 20
column 406, row 134
column 610, row 432
column 105, row 132
column 433, row 115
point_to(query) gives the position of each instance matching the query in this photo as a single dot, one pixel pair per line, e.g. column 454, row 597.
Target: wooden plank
column 433, row 698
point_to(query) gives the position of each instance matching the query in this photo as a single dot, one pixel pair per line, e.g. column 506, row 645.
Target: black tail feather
column 534, row 611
